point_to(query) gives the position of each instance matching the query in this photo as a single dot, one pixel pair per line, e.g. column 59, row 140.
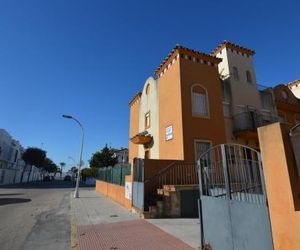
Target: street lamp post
column 76, row 193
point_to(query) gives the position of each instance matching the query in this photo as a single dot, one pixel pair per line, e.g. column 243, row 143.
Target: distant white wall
column 13, row 176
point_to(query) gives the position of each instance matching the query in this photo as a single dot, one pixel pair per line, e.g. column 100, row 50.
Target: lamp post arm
column 79, row 124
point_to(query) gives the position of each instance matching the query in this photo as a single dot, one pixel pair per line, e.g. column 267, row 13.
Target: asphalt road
column 35, row 216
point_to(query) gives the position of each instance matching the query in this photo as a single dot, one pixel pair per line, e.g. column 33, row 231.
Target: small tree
column 33, row 157
column 74, row 171
column 50, row 166
column 103, row 158
column 88, row 172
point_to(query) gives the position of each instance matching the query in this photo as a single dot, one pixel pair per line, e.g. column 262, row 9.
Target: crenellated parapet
column 186, row 54
column 233, row 48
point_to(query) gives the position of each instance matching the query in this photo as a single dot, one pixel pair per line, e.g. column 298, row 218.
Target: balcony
column 246, row 123
column 141, row 138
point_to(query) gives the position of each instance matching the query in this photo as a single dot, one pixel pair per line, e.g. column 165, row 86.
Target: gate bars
column 231, row 171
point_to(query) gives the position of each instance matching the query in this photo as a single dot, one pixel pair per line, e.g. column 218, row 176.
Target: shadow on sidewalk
column 42, row 185
column 7, row 201
column 11, row 194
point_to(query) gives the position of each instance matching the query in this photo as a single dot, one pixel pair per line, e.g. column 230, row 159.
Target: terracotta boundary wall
column 282, row 184
column 115, row 192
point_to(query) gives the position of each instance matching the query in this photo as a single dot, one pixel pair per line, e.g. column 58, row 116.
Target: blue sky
column 89, row 58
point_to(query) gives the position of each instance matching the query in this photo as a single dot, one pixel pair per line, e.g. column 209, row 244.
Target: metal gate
column 233, row 203
column 138, row 184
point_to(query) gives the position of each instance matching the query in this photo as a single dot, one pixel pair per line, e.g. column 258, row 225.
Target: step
column 174, row 188
column 169, row 188
column 160, row 191
column 163, row 192
column 139, row 213
column 152, row 212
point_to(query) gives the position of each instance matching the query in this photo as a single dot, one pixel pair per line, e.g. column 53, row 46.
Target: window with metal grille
column 200, row 148
column 199, row 101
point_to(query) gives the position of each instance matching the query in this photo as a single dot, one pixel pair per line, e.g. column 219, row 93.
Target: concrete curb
column 74, row 239
column 73, row 222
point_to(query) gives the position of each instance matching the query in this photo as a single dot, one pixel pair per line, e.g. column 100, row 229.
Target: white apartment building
column 11, row 163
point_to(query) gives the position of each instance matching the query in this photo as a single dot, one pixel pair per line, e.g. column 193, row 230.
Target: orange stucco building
column 190, row 113
column 197, row 100
column 287, row 104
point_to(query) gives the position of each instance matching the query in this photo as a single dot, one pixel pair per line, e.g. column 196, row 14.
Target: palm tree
column 62, row 164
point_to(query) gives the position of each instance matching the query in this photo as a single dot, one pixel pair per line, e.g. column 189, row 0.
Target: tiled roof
column 295, row 82
column 182, row 49
column 135, row 97
column 232, row 46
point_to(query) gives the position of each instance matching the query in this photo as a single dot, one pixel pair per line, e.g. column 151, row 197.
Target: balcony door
column 253, row 118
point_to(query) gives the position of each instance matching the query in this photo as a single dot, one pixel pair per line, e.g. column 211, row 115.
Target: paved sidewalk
column 188, row 230
column 93, row 208
column 103, row 224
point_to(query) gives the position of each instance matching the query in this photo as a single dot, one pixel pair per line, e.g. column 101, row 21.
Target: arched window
column 248, row 76
column 200, row 105
column 235, row 73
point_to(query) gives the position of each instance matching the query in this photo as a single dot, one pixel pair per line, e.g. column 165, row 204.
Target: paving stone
column 134, row 234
